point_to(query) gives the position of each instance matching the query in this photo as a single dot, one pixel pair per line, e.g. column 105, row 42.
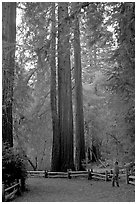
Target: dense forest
column 68, row 82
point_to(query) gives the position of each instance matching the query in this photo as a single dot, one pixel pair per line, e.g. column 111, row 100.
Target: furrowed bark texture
column 8, row 63
column 55, row 165
column 80, row 141
column 65, row 89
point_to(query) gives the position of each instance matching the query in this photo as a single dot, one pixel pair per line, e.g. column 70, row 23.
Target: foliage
column 107, row 39
column 13, row 165
column 122, row 77
column 32, row 122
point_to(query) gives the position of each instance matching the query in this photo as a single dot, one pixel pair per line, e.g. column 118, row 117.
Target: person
column 115, row 177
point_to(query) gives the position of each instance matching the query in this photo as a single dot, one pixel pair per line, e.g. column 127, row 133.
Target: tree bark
column 65, row 89
column 8, row 63
column 55, row 165
column 80, row 141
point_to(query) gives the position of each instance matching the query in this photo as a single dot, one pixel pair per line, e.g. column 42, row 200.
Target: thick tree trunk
column 8, row 63
column 55, row 166
column 65, row 89
column 80, row 141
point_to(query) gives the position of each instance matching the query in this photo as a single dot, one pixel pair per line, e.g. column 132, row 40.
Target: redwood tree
column 65, row 89
column 8, row 63
column 79, row 117
column 55, row 166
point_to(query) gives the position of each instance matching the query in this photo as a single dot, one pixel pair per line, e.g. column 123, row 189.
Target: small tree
column 13, row 165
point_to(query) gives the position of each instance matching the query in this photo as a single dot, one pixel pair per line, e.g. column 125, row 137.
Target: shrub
column 13, row 166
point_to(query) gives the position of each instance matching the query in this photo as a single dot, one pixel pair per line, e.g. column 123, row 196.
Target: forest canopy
column 68, row 79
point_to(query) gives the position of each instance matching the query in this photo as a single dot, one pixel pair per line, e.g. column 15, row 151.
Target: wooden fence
column 130, row 179
column 47, row 174
column 36, row 173
column 100, row 176
column 8, row 193
column 69, row 174
column 90, row 174
column 72, row 174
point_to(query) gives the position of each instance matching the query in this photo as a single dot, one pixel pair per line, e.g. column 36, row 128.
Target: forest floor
column 76, row 190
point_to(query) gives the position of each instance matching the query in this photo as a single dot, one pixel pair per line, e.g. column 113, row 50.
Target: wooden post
column 69, row 174
column 106, row 175
column 3, row 193
column 19, row 186
column 131, row 170
column 23, row 184
column 90, row 171
column 111, row 174
column 127, row 176
column 46, row 174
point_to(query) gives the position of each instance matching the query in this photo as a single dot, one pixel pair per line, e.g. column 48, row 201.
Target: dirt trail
column 75, row 190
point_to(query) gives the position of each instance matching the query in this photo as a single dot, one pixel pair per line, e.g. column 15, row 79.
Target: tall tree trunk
column 55, row 166
column 65, row 89
column 80, row 141
column 8, row 63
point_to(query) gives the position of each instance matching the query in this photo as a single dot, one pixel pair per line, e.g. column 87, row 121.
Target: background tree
column 116, row 74
column 8, row 65
column 32, row 85
column 123, row 78
column 107, row 70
